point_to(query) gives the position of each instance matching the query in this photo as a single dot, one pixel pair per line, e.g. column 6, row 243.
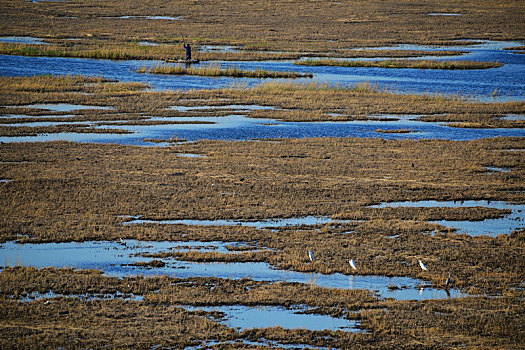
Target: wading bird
column 422, row 265
column 352, row 263
column 311, row 256
column 447, row 283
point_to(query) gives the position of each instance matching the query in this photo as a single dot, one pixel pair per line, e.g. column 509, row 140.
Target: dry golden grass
column 217, row 70
column 117, row 50
column 267, row 25
column 477, row 121
column 311, row 101
column 470, row 322
column 70, row 323
column 63, row 191
column 415, row 64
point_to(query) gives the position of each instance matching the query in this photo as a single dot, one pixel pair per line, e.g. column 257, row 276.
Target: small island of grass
column 216, row 70
column 403, row 63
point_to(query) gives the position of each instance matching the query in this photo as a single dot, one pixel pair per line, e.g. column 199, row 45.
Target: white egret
column 422, row 265
column 352, row 263
column 311, row 256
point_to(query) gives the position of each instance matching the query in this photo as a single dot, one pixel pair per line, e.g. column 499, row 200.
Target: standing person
column 187, row 47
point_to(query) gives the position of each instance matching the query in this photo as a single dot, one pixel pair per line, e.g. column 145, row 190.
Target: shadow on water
column 114, row 259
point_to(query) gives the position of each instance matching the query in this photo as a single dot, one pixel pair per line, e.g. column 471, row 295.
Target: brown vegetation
column 174, row 51
column 216, row 70
column 266, row 25
column 414, row 64
column 469, row 322
column 64, row 191
column 87, row 187
column 292, row 101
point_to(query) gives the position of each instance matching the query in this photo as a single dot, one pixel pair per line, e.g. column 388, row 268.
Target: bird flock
column 353, row 265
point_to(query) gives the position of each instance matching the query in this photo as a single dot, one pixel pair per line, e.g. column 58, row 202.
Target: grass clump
column 216, row 70
column 417, row 64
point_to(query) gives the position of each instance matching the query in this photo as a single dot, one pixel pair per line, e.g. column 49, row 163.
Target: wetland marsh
column 146, row 210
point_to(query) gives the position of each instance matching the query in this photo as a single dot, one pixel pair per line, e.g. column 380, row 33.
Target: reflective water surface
column 308, row 220
column 241, row 127
column 246, row 317
column 114, row 259
column 491, row 227
column 504, row 83
column 61, row 107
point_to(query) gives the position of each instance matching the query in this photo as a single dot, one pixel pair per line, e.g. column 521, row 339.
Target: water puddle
column 115, row 259
column 218, row 48
column 248, row 344
column 86, row 297
column 270, row 223
column 4, row 181
column 520, row 117
column 169, row 18
column 490, row 227
column 444, row 14
column 61, row 107
column 147, row 43
column 22, row 40
column 191, row 155
column 25, row 116
column 64, row 136
column 234, row 107
column 48, row 124
column 494, row 170
column 247, row 317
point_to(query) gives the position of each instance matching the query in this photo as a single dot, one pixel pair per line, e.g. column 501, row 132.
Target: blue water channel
column 498, row 84
column 241, row 127
column 508, row 81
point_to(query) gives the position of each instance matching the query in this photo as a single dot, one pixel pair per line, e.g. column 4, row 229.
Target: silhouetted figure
column 447, row 283
column 187, row 47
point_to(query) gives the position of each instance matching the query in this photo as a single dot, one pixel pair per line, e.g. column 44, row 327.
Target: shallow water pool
column 247, row 317
column 114, row 259
column 491, row 227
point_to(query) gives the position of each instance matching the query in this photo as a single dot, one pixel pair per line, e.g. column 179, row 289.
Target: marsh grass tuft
column 217, row 70
column 417, row 64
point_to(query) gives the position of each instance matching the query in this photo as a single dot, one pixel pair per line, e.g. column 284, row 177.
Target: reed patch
column 217, row 70
column 414, row 64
